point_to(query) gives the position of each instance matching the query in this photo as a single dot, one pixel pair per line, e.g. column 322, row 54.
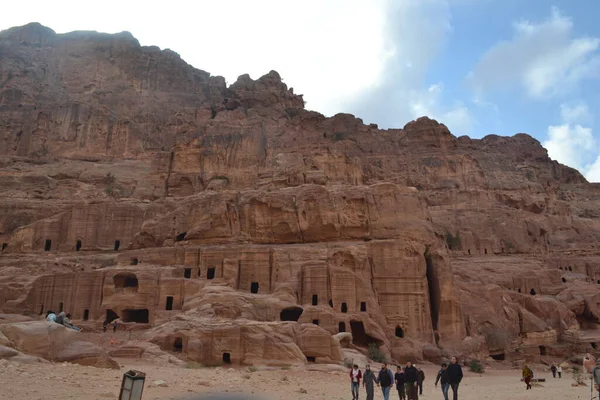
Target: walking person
column 400, row 381
column 355, row 376
column 411, row 376
column 527, row 376
column 443, row 379
column 368, row 379
column 421, row 376
column 559, row 371
column 553, row 369
column 385, row 379
column 455, row 376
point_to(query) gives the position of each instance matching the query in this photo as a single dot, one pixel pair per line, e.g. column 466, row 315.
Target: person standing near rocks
column 455, row 376
column 355, row 376
column 385, row 379
column 368, row 379
column 553, row 369
column 412, row 378
column 421, row 376
column 442, row 377
column 559, row 371
column 527, row 376
column 400, row 381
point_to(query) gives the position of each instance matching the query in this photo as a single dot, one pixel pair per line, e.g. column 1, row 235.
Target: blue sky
column 479, row 66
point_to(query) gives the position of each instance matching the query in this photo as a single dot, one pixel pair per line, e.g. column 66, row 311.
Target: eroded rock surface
column 230, row 224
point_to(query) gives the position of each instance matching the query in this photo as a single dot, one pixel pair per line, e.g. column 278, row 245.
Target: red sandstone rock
column 205, row 214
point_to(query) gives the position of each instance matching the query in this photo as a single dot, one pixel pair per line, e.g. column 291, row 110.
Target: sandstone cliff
column 234, row 225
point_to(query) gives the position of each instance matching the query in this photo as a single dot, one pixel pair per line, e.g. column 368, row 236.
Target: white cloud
column 544, row 58
column 573, row 144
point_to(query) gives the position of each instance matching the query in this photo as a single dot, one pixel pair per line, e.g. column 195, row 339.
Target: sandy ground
column 67, row 381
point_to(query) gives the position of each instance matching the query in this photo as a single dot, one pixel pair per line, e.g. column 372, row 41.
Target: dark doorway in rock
column 291, row 314
column 210, row 273
column 315, row 299
column 140, row 316
column 399, row 332
column 363, row 306
column 117, row 245
column 433, row 286
column 4, row 246
column 111, row 316
column 78, row 245
column 360, row 337
column 311, row 359
column 86, row 314
column 315, row 321
column 187, row 273
column 593, row 345
column 498, row 357
column 564, row 280
column 48, row 245
column 226, row 358
column 135, row 261
column 344, row 308
column 484, row 251
column 342, row 327
column 178, row 345
column 60, row 307
column 469, row 251
column 169, row 303
column 331, row 301
column 254, row 287
column 571, row 269
column 543, row 350
column 41, row 309
column 125, row 280
column 532, row 292
column 519, row 290
column 180, row 237
column 598, row 281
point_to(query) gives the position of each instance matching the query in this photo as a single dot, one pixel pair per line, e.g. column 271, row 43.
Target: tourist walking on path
column 559, row 371
column 527, row 376
column 421, row 376
column 442, row 378
column 455, row 376
column 553, row 369
column 385, row 380
column 369, row 379
column 400, row 381
column 355, row 376
column 412, row 377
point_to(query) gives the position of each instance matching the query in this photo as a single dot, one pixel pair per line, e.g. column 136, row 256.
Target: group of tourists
column 61, row 319
column 408, row 380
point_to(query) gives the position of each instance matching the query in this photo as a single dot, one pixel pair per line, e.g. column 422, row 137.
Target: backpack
column 385, row 378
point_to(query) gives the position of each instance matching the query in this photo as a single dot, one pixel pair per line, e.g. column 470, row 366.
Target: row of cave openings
column 531, row 291
column 78, row 245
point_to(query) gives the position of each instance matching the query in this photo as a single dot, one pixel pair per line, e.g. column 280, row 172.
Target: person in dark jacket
column 455, row 375
column 400, row 381
column 386, row 380
column 412, row 378
column 421, row 376
column 368, row 379
column 442, row 378
column 553, row 369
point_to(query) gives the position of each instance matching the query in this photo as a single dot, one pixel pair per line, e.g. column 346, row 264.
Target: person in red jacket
column 355, row 376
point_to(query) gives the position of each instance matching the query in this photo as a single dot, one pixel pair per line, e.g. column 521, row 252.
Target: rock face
column 233, row 225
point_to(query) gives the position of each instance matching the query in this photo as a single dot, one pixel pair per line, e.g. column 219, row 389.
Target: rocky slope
column 233, row 225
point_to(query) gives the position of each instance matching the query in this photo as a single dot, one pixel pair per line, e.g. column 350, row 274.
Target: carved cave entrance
column 291, row 314
column 342, row 327
column 210, row 273
column 344, row 307
column 111, row 316
column 433, row 286
column 180, row 237
column 140, row 316
column 315, row 300
column 399, row 332
column 360, row 337
column 178, row 345
column 86, row 314
column 125, row 280
column 498, row 357
column 315, row 321
column 226, row 358
column 187, row 273
column 363, row 306
column 78, row 245
column 48, row 245
column 543, row 351
column 169, row 304
column 117, row 245
column 4, row 246
column 254, row 287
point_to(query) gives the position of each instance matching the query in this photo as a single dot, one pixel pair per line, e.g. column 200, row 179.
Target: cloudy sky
column 479, row 66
